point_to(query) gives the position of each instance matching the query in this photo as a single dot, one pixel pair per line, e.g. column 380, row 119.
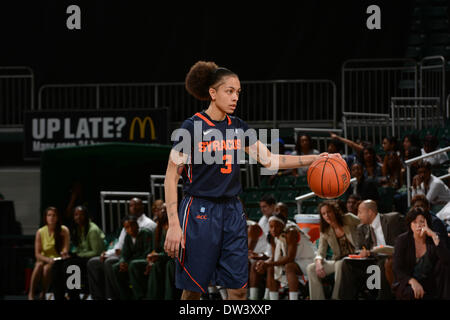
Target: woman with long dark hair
column 87, row 242
column 51, row 242
column 338, row 231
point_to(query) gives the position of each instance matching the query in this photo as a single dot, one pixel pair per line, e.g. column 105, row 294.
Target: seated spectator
column 304, row 146
column 430, row 144
column 87, row 242
column 364, row 187
column 352, row 203
column 160, row 267
column 409, row 140
column 137, row 245
column 51, row 242
column 371, row 166
column 338, row 231
column 392, row 171
column 375, row 230
column 100, row 272
column 419, row 258
column 437, row 225
column 389, row 145
column 335, row 146
column 436, row 191
column 157, row 206
column 411, row 153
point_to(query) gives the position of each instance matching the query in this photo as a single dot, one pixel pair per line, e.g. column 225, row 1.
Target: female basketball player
column 210, row 224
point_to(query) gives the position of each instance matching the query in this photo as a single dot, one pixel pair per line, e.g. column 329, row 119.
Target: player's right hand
column 174, row 238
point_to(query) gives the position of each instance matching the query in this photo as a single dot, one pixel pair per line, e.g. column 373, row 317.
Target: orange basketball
column 328, row 177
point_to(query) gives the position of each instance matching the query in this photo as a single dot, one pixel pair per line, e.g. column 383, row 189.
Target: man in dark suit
column 375, row 230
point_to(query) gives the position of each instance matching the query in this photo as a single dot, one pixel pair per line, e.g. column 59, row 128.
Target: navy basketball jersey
column 213, row 180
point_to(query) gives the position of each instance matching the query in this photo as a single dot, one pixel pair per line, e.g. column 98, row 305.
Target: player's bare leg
column 237, row 294
column 190, row 295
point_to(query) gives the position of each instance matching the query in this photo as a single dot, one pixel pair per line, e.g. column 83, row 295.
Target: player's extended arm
column 260, row 153
column 174, row 235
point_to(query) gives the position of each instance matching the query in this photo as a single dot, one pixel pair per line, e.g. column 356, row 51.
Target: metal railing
column 16, row 94
column 415, row 114
column 117, row 203
column 262, row 102
column 447, row 109
column 310, row 195
column 369, row 84
column 366, row 127
column 432, row 79
column 411, row 161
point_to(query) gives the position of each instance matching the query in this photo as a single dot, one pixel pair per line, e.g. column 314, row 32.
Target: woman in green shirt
column 87, row 242
column 51, row 242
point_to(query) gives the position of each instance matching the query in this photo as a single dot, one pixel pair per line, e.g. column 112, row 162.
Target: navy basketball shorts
column 216, row 247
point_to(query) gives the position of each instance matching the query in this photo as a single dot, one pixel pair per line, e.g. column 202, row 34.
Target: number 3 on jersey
column 228, row 162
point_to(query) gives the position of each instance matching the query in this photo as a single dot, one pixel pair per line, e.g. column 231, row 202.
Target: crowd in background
column 409, row 245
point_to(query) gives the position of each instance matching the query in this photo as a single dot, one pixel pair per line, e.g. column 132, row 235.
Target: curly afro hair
column 202, row 76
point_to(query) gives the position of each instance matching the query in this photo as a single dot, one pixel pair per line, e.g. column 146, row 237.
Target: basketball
column 328, row 178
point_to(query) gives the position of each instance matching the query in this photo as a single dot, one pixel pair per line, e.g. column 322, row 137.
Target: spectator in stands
column 338, row 231
column 304, row 146
column 420, row 260
column 437, row 225
column 352, row 203
column 137, row 245
column 2, row 197
column 157, row 207
column 160, row 267
column 409, row 140
column 389, row 144
column 335, row 146
column 52, row 242
column 292, row 254
column 375, row 230
column 392, row 171
column 371, row 167
column 87, row 242
column 430, row 144
column 267, row 207
column 100, row 273
column 436, row 191
column 366, row 188
column 411, row 153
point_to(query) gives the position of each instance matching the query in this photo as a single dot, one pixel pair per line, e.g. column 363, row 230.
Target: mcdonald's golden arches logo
column 142, row 124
